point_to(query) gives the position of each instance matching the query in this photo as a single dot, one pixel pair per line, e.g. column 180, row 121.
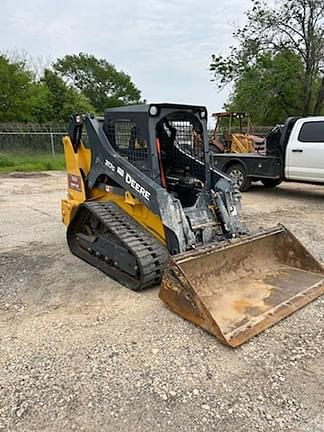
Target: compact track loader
column 145, row 206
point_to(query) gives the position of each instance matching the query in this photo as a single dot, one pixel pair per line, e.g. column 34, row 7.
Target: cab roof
column 144, row 108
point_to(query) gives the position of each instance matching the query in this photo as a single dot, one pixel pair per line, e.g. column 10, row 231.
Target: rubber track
column 150, row 255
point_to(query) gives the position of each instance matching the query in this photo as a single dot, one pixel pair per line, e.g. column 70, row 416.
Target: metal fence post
column 52, row 145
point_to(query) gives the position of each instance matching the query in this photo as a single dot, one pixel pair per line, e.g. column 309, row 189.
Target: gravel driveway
column 80, row 352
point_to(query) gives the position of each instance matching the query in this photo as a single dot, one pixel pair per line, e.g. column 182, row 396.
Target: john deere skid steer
column 145, row 206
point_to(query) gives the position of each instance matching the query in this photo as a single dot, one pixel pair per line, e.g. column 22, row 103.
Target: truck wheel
column 269, row 183
column 238, row 174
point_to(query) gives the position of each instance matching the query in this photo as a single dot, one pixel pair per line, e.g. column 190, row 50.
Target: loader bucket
column 236, row 289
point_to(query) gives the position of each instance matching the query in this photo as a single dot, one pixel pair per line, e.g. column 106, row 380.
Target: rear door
column 305, row 151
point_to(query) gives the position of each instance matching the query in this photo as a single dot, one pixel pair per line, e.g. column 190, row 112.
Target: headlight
column 202, row 114
column 153, row 110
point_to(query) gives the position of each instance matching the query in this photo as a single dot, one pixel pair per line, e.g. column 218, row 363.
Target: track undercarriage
column 105, row 237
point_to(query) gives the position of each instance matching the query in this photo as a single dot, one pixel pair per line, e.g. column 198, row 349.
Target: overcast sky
column 165, row 45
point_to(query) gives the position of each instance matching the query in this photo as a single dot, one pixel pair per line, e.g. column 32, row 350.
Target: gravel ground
column 80, row 352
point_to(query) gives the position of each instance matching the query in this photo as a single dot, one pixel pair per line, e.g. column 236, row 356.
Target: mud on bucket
column 236, row 289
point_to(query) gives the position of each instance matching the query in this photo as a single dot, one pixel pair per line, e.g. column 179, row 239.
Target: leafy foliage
column 16, row 91
column 29, row 97
column 63, row 100
column 293, row 28
column 98, row 80
column 266, row 88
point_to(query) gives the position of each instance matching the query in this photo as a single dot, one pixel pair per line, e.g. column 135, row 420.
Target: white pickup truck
column 294, row 152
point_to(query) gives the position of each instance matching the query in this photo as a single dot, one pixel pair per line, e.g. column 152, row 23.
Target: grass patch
column 30, row 162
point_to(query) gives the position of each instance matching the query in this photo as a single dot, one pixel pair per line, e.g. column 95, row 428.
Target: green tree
column 268, row 88
column 24, row 98
column 16, row 91
column 98, row 80
column 41, row 110
column 290, row 27
column 55, row 101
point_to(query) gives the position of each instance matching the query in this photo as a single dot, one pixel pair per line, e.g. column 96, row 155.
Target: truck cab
column 304, row 155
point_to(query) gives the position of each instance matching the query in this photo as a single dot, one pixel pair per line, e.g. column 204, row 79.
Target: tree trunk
column 320, row 99
column 308, row 83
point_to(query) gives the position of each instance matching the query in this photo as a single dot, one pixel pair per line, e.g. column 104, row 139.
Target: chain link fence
column 36, row 147
column 29, row 139
column 17, row 138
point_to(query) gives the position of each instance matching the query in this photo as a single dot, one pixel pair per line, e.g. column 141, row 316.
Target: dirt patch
column 28, row 175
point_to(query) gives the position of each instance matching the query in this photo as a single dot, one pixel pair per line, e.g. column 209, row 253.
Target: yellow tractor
column 145, row 206
column 233, row 134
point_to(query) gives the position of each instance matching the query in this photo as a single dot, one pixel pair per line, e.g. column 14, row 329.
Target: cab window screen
column 181, row 145
column 312, row 132
column 125, row 137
